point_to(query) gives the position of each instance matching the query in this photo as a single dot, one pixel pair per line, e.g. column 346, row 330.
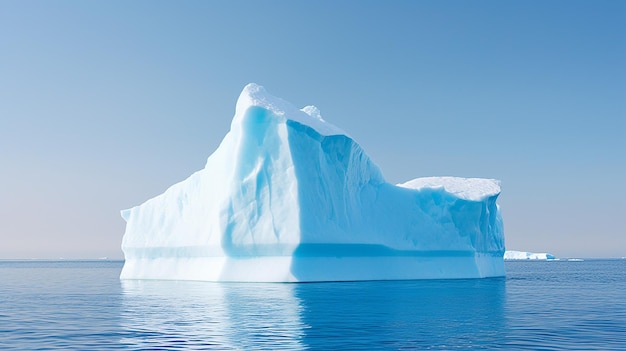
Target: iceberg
column 522, row 255
column 289, row 197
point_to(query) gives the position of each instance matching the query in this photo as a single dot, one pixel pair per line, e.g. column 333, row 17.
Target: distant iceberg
column 289, row 197
column 521, row 255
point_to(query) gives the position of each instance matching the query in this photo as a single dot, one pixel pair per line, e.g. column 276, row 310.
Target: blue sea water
column 82, row 305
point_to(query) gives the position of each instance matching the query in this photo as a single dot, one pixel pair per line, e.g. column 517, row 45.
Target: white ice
column 521, row 255
column 289, row 197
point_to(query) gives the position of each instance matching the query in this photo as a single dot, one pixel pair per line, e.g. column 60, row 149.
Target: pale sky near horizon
column 104, row 104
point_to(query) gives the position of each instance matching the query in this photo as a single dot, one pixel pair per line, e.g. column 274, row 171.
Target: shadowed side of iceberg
column 356, row 226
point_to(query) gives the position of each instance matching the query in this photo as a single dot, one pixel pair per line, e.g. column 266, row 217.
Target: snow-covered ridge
column 256, row 95
column 475, row 189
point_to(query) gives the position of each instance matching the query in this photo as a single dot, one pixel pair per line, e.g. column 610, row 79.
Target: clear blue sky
column 104, row 104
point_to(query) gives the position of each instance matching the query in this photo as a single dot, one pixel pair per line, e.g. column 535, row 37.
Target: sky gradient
column 105, row 104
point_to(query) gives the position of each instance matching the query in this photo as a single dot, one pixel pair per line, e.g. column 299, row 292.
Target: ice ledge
column 473, row 189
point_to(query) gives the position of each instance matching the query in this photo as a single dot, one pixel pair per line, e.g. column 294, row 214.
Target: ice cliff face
column 290, row 197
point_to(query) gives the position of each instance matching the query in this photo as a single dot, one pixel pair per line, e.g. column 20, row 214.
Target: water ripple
column 539, row 306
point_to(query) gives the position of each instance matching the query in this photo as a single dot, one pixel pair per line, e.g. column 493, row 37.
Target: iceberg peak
column 313, row 112
column 254, row 95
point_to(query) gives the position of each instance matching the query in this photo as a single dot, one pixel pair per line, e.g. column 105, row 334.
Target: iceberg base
column 314, row 269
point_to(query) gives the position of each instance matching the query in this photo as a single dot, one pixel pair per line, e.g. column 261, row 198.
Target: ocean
column 540, row 305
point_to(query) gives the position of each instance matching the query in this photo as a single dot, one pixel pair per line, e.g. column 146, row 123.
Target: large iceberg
column 289, row 197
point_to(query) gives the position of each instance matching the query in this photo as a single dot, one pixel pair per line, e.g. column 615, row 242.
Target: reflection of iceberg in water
column 377, row 315
column 200, row 315
column 403, row 315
